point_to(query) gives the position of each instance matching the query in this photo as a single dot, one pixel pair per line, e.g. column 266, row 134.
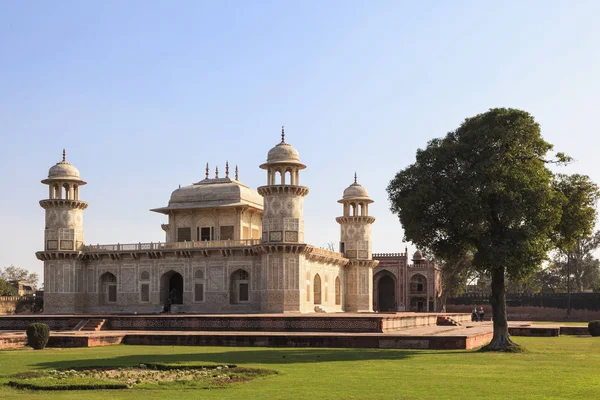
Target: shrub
column 37, row 335
column 594, row 328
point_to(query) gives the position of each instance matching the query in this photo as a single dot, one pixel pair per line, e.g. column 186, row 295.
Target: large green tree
column 483, row 189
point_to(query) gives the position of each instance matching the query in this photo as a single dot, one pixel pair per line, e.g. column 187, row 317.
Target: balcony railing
column 325, row 252
column 170, row 245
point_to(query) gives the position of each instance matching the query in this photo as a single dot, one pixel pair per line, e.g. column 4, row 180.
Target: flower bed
column 142, row 375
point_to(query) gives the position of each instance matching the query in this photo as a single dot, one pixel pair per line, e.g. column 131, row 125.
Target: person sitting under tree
column 481, row 314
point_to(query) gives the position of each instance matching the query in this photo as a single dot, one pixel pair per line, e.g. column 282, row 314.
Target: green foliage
column 176, row 366
column 6, row 289
column 483, row 189
column 12, row 273
column 46, row 384
column 38, row 335
column 579, row 196
column 594, row 328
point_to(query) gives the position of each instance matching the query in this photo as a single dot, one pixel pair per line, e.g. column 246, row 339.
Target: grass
column 562, row 367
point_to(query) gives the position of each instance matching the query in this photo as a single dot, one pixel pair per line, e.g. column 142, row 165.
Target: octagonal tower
column 283, row 220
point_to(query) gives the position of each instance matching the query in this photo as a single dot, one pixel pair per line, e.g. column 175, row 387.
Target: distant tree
column 12, row 273
column 455, row 276
column 6, row 289
column 483, row 189
column 573, row 235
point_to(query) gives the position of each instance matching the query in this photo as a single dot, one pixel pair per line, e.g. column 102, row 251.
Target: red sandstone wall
column 533, row 313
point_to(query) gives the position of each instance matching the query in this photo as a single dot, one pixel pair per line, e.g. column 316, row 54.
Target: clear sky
column 143, row 93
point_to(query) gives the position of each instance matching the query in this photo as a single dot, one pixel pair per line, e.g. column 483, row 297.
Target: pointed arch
column 338, row 294
column 317, row 289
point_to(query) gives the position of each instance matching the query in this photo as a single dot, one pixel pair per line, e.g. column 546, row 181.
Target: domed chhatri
column 418, row 256
column 356, row 192
column 283, row 153
column 64, row 171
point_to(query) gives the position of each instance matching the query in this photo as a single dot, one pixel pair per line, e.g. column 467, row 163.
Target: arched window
column 317, row 290
column 418, row 284
column 145, row 287
column 338, row 294
column 326, row 289
column 67, row 191
column 308, row 286
column 239, row 288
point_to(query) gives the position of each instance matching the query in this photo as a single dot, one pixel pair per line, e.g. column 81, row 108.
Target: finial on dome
column 64, row 155
column 217, row 172
column 226, row 169
column 355, row 178
column 206, row 170
column 282, row 134
column 236, row 173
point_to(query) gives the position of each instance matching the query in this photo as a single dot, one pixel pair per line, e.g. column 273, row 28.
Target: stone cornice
column 357, row 219
column 50, row 203
column 364, row 263
column 280, row 189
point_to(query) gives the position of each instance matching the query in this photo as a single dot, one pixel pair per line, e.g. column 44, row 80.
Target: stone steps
column 94, row 324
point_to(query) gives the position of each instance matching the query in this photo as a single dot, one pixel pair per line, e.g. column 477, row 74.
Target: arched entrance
column 171, row 286
column 108, row 288
column 386, row 294
column 239, row 287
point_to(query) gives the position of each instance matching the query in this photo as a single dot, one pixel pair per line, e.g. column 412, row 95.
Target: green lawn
column 564, row 367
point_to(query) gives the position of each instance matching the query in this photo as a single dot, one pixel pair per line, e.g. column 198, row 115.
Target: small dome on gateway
column 356, row 192
column 283, row 153
column 64, row 171
column 418, row 256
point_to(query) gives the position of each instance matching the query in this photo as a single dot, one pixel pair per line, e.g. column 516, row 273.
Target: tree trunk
column 501, row 339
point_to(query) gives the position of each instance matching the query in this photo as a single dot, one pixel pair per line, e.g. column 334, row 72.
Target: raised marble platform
column 330, row 322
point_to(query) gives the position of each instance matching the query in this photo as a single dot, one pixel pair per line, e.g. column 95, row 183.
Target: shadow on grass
column 265, row 356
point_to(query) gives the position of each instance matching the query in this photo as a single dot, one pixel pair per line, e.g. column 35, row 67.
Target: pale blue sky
column 144, row 93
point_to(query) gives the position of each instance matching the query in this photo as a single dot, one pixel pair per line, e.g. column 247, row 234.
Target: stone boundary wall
column 55, row 323
column 579, row 301
column 532, row 313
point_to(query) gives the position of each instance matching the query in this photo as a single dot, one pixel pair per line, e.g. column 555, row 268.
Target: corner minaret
column 355, row 244
column 64, row 210
column 283, row 221
column 355, row 224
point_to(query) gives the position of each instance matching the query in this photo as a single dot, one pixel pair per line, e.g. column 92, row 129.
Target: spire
column 226, row 169
column 217, row 172
column 64, row 155
column 282, row 135
column 355, row 179
column 206, row 170
column 236, row 173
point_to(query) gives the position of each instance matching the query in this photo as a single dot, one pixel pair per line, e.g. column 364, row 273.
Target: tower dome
column 356, row 192
column 283, row 153
column 64, row 171
column 418, row 256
